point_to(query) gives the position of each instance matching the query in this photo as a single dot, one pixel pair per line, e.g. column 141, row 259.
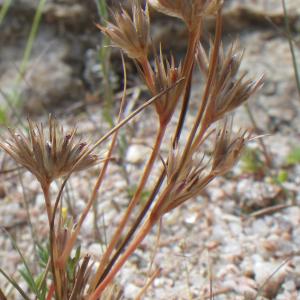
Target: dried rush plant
column 185, row 172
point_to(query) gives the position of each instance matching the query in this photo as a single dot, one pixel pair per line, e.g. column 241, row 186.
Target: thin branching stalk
column 148, row 72
column 117, row 235
column 184, row 107
column 185, row 172
column 100, row 141
column 79, row 279
column 147, row 285
column 135, row 225
column 126, row 120
column 53, row 245
column 143, row 232
column 46, row 192
column 213, row 66
column 101, row 176
column 148, row 75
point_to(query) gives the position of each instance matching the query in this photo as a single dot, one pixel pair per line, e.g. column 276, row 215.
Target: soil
column 242, row 234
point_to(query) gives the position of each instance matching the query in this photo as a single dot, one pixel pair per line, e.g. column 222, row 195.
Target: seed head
column 165, row 75
column 188, row 10
column 228, row 149
column 183, row 182
column 48, row 154
column 131, row 34
column 229, row 90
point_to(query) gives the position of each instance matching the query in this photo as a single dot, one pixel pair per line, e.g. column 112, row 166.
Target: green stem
column 289, row 34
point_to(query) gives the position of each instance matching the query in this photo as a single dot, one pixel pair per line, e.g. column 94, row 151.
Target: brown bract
column 229, row 89
column 48, row 153
column 131, row 34
column 228, row 149
column 166, row 75
column 188, row 10
column 188, row 180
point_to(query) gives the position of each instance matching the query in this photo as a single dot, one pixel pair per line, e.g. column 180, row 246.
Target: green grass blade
column 32, row 36
column 4, row 9
column 30, row 277
column 292, row 49
column 14, row 284
column 102, row 9
column 15, row 97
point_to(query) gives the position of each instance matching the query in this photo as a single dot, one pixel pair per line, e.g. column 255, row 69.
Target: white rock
column 137, row 154
column 95, row 249
column 130, row 291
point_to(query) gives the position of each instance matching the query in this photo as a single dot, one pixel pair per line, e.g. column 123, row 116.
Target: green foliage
column 251, row 161
column 282, row 176
column 294, row 157
column 292, row 45
column 104, row 61
column 3, row 116
column 43, row 254
column 13, row 98
column 144, row 196
column 5, row 6
column 72, row 264
column 38, row 284
column 14, row 284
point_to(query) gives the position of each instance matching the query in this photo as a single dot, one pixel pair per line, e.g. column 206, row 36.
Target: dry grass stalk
column 186, row 177
column 186, row 171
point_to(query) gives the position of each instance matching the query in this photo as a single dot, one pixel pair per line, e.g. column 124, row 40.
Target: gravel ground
column 242, row 233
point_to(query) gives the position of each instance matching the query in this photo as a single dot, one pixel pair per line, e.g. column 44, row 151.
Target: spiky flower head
column 188, row 10
column 131, row 34
column 228, row 149
column 188, row 175
column 48, row 153
column 230, row 89
column 187, row 180
column 165, row 75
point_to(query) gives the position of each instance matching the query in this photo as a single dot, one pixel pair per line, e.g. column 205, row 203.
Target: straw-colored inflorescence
column 48, row 153
column 130, row 33
column 165, row 75
column 188, row 10
column 186, row 169
column 229, row 89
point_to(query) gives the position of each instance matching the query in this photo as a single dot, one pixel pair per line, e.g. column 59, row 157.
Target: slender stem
column 136, row 224
column 147, row 285
column 148, row 73
column 132, row 247
column 63, row 258
column 53, row 246
column 45, row 188
column 289, row 34
column 132, row 204
column 188, row 67
column 187, row 72
column 211, row 74
column 122, row 123
column 184, row 108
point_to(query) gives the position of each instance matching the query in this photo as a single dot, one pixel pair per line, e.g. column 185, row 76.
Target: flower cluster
column 48, row 153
